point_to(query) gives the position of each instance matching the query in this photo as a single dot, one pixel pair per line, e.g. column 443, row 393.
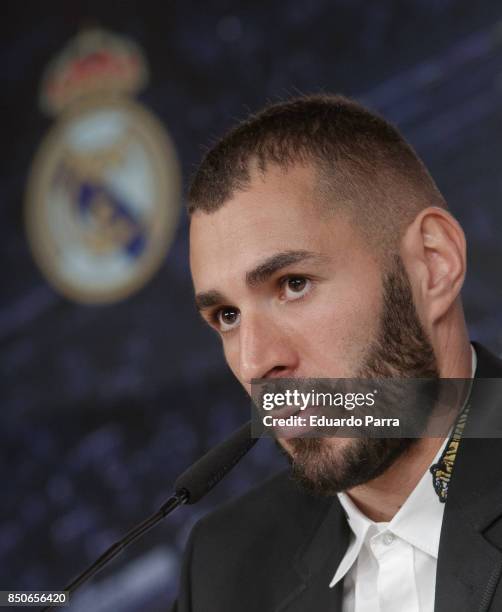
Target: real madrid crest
column 104, row 190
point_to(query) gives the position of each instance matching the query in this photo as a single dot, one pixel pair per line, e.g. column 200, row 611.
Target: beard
column 401, row 349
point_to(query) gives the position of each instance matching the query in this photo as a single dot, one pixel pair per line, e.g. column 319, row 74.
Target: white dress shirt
column 391, row 567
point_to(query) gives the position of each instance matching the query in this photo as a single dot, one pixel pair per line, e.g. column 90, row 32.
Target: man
column 320, row 246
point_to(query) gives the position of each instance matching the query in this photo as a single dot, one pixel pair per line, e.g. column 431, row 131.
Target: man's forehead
column 279, row 212
column 275, row 198
column 238, row 246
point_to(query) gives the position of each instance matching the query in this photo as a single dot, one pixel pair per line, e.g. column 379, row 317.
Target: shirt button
column 388, row 538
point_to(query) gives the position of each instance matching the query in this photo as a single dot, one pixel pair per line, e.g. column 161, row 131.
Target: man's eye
column 227, row 318
column 295, row 287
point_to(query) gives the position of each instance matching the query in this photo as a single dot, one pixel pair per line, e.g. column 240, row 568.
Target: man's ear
column 434, row 254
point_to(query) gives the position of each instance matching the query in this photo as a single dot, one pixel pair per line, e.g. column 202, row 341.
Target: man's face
column 295, row 292
column 311, row 318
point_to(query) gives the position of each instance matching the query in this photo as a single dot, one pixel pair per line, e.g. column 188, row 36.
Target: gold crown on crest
column 94, row 62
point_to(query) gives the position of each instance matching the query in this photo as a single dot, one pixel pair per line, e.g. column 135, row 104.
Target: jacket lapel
column 315, row 565
column 470, row 557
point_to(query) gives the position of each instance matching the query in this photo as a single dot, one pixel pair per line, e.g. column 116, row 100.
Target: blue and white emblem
column 104, row 192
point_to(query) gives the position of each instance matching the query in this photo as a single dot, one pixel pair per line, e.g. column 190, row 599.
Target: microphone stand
column 115, row 549
column 190, row 487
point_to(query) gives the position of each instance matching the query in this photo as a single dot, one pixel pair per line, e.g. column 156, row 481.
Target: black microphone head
column 207, row 472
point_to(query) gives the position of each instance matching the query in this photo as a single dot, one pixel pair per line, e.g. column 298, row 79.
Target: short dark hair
column 362, row 162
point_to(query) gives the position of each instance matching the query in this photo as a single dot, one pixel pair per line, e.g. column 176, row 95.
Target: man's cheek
column 343, row 342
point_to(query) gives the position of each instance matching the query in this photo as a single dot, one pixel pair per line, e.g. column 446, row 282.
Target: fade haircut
column 362, row 164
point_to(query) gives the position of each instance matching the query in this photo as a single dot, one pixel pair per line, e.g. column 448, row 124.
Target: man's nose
column 265, row 350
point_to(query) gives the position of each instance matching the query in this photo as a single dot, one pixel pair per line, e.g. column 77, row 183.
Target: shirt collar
column 417, row 522
column 474, row 361
column 360, row 526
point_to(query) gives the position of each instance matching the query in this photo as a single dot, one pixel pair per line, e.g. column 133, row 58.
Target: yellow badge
column 443, row 469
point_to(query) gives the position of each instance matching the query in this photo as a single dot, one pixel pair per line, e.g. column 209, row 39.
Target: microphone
column 189, row 488
column 207, row 471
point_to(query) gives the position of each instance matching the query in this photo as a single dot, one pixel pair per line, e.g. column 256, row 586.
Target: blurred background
column 111, row 385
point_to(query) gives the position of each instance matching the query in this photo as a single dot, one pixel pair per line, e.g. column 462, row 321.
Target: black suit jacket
column 276, row 549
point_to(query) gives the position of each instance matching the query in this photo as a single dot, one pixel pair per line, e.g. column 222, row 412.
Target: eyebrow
column 207, row 299
column 276, row 262
column 258, row 275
